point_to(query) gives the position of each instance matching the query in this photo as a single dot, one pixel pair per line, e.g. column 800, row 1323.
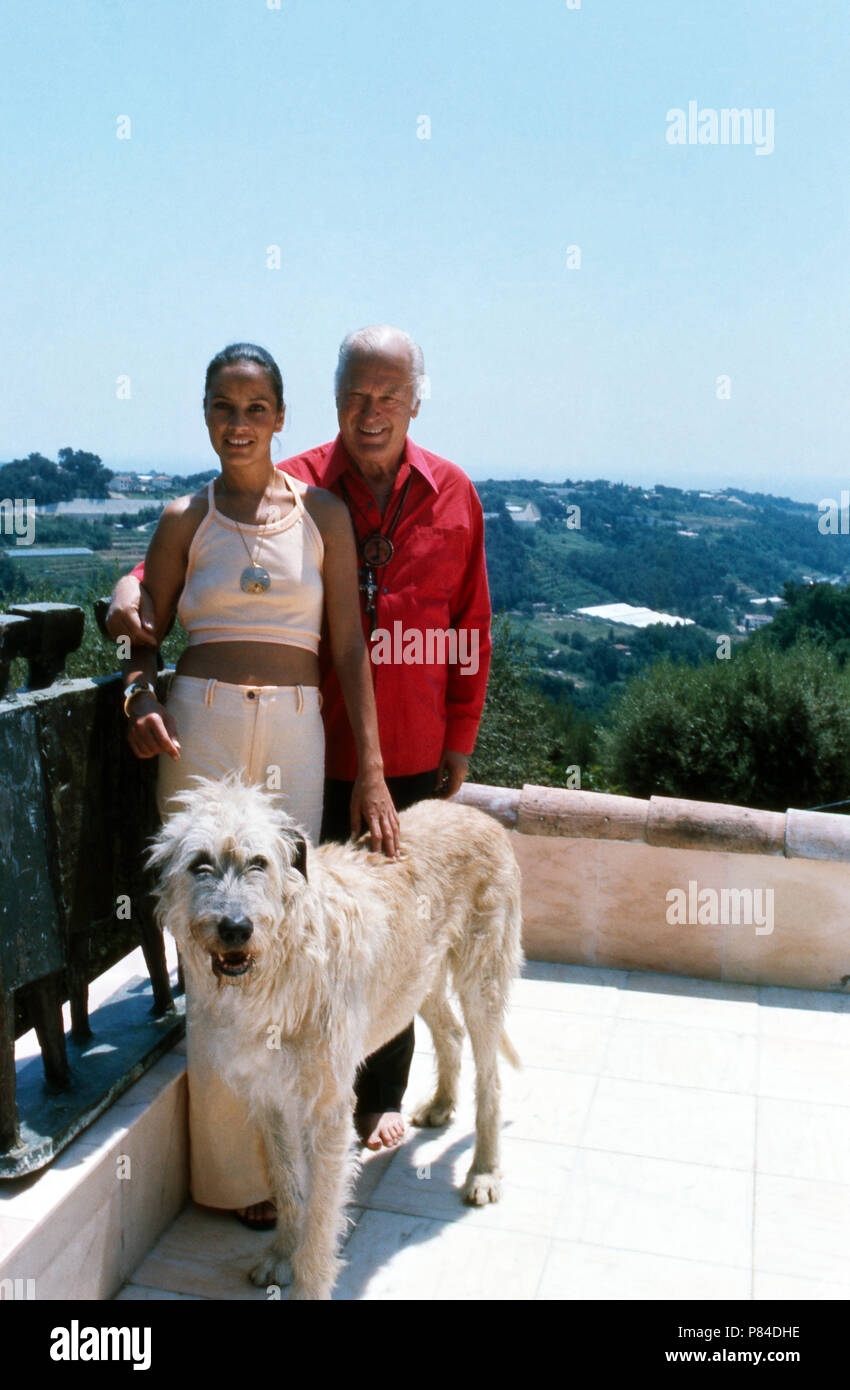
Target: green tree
column 524, row 737
column 90, row 477
column 36, row 477
column 767, row 728
column 193, row 482
column 820, row 612
column 508, row 566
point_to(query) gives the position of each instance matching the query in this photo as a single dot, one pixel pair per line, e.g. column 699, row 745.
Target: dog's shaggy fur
column 306, row 960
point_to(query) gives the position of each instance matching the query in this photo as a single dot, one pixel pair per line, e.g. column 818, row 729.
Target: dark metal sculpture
column 76, row 810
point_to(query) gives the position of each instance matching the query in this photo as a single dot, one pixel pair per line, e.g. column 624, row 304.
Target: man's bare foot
column 381, row 1129
column 259, row 1217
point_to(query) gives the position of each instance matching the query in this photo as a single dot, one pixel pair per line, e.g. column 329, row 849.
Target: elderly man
column 426, row 611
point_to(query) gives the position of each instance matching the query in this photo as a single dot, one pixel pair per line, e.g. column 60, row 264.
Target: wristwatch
column 136, row 688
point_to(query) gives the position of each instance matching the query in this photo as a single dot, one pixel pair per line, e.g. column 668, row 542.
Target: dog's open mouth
column 232, row 964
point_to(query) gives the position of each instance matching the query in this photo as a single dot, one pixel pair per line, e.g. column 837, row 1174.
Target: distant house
column 752, row 621
column 123, row 482
column 528, row 515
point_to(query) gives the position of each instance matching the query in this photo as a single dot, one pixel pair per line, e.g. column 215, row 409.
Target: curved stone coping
column 816, row 835
column 664, row 821
column 661, row 821
column 500, row 802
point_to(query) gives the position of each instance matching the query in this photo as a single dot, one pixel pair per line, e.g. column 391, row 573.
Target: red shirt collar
column 340, row 462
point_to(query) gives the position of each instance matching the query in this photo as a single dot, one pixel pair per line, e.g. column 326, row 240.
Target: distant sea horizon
column 559, row 480
column 810, row 490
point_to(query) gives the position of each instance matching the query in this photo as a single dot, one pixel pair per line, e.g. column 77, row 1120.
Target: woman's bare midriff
column 250, row 663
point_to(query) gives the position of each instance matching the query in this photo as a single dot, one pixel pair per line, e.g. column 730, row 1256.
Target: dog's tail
column 509, row 1052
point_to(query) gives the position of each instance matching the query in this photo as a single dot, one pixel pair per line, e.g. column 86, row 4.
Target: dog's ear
column 300, row 860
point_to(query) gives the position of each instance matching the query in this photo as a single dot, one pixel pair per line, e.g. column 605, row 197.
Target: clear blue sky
column 297, row 127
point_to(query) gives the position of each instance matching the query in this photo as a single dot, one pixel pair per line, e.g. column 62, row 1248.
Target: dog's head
column 228, row 863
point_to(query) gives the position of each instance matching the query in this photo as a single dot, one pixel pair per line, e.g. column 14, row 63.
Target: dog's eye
column 201, row 865
column 258, row 862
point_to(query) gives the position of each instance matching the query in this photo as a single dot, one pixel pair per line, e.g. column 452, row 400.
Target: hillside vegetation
column 701, row 710
column 628, row 547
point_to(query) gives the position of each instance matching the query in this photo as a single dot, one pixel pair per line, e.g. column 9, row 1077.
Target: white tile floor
column 666, row 1138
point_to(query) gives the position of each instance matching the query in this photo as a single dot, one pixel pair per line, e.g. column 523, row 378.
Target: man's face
column 374, row 409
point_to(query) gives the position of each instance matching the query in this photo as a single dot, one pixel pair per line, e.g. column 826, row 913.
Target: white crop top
column 213, row 606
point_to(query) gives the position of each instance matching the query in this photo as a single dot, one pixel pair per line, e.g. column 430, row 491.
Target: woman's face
column 242, row 414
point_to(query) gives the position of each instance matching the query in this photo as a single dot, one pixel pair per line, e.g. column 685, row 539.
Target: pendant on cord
column 254, row 580
column 377, row 550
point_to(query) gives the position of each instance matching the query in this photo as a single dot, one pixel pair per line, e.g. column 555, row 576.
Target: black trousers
column 382, row 1079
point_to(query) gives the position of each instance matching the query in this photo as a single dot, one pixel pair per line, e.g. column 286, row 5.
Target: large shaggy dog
column 306, row 960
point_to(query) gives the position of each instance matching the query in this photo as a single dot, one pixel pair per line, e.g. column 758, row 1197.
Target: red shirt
column 431, row 652
column 435, row 581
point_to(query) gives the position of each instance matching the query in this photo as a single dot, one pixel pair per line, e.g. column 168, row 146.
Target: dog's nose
column 235, row 932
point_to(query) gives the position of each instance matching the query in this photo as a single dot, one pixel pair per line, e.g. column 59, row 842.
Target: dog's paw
column 481, row 1188
column 271, row 1269
column 433, row 1114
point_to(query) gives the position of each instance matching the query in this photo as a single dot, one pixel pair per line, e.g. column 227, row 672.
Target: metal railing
column 76, row 809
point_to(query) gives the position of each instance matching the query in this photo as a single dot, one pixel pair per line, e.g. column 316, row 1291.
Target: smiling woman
column 251, row 563
column 244, row 653
column 247, row 435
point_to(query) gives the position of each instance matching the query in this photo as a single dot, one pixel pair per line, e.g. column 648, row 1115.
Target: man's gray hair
column 379, row 339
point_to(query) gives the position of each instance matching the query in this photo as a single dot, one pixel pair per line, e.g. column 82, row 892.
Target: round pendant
column 377, row 550
column 254, row 580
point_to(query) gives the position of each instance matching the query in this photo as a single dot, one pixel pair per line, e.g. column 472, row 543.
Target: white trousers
column 274, row 736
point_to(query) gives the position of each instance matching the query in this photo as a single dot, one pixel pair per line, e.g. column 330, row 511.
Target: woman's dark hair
column 246, row 352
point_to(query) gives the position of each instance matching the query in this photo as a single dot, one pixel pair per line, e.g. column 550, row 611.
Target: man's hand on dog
column 371, row 802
